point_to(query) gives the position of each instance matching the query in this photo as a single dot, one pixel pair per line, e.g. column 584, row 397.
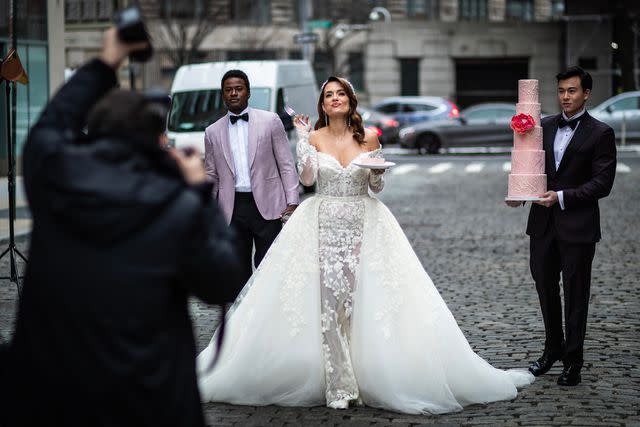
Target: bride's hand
column 301, row 122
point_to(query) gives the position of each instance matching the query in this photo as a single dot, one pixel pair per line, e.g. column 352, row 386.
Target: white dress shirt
column 560, row 143
column 239, row 141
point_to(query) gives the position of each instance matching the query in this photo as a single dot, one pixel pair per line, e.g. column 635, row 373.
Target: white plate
column 522, row 198
column 385, row 165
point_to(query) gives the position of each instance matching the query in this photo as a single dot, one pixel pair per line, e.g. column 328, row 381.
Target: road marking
column 440, row 167
column 403, row 169
column 506, row 166
column 474, row 167
column 621, row 167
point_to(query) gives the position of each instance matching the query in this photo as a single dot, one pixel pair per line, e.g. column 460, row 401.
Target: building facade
column 40, row 46
column 468, row 51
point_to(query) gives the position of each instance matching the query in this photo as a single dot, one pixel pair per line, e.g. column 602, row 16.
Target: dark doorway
column 489, row 79
column 409, row 76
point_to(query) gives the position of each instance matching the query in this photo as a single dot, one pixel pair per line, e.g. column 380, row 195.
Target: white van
column 197, row 97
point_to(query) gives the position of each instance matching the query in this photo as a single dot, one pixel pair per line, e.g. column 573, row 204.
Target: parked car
column 412, row 109
column 618, row 110
column 385, row 126
column 482, row 124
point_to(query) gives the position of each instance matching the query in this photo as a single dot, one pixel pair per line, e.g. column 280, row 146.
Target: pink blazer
column 274, row 180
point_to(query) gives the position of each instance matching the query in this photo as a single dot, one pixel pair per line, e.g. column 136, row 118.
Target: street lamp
column 375, row 13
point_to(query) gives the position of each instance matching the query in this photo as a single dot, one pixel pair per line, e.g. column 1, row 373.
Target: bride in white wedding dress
column 340, row 311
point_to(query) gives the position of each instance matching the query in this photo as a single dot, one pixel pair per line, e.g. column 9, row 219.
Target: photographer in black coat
column 123, row 232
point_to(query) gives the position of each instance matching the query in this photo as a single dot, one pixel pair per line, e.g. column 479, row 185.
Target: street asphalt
column 475, row 250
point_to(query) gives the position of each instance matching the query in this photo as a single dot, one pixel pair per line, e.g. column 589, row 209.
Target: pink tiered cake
column 527, row 180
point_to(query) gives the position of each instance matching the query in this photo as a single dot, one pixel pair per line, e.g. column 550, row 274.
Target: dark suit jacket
column 585, row 175
column 103, row 335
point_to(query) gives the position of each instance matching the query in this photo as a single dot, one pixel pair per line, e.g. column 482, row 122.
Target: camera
column 131, row 29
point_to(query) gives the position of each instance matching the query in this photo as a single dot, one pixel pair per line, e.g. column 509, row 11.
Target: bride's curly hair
column 353, row 118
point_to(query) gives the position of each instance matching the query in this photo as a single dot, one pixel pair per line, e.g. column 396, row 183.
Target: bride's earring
column 348, row 122
column 326, row 119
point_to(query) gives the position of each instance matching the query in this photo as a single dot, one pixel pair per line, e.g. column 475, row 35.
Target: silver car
column 413, row 109
column 622, row 113
column 480, row 125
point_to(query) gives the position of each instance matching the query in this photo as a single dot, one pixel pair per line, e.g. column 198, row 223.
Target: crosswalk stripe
column 621, row 167
column 474, row 167
column 440, row 167
column 403, row 169
column 506, row 166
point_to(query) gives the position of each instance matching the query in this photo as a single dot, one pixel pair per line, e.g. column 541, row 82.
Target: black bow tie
column 234, row 119
column 571, row 123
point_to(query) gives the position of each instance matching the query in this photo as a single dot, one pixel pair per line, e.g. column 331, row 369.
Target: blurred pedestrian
column 564, row 226
column 123, row 232
column 248, row 157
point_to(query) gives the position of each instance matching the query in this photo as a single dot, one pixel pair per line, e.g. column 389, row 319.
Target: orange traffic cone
column 12, row 69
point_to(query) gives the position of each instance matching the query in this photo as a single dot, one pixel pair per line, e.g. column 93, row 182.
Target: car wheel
column 429, row 143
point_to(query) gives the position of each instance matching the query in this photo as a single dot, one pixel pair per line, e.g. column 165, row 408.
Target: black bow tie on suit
column 234, row 119
column 571, row 123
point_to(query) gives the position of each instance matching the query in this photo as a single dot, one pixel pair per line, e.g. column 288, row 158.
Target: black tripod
column 12, row 250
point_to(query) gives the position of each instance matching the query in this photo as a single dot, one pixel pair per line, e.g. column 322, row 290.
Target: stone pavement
column 476, row 252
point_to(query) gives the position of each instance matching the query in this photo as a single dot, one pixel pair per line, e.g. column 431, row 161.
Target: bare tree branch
column 183, row 29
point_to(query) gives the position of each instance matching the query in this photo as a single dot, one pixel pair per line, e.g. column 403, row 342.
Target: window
column 626, row 104
column 388, row 108
column 251, row 11
column 520, row 10
column 88, row 11
column 182, row 9
column 480, row 115
column 472, row 10
column 411, row 108
column 193, row 111
column 505, row 114
column 409, row 81
column 590, row 63
column 356, row 70
column 557, row 9
column 321, row 9
column 422, row 9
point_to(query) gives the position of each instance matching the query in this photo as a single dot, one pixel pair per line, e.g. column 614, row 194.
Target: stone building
column 468, row 51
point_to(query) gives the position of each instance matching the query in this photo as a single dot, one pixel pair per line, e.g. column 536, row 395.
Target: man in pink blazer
column 249, row 161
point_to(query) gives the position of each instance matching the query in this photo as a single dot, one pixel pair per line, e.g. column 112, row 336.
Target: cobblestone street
column 476, row 252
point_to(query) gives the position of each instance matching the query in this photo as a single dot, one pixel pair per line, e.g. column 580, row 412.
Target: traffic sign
column 306, row 38
column 320, row 23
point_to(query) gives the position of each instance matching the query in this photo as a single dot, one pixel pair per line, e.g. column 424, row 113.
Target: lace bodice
column 332, row 178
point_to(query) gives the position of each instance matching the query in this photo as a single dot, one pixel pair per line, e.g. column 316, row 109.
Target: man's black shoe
column 570, row 376
column 542, row 365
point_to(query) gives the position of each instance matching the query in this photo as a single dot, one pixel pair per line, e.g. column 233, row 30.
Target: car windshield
column 193, row 111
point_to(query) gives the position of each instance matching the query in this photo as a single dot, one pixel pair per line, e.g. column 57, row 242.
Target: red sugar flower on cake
column 522, row 123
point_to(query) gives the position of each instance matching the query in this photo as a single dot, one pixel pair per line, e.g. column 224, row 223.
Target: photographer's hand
column 114, row 51
column 190, row 163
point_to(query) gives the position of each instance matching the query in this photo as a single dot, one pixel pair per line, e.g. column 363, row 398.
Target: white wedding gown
column 341, row 309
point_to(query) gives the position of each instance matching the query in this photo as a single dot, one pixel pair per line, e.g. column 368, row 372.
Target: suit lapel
column 581, row 134
column 253, row 136
column 548, row 138
column 226, row 146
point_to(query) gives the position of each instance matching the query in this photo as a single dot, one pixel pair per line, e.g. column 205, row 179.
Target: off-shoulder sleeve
column 307, row 159
column 376, row 181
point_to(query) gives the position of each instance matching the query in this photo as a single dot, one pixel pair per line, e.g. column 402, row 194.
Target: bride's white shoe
column 339, row 404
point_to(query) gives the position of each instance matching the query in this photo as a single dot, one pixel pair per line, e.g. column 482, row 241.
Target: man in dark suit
column 564, row 225
column 123, row 232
